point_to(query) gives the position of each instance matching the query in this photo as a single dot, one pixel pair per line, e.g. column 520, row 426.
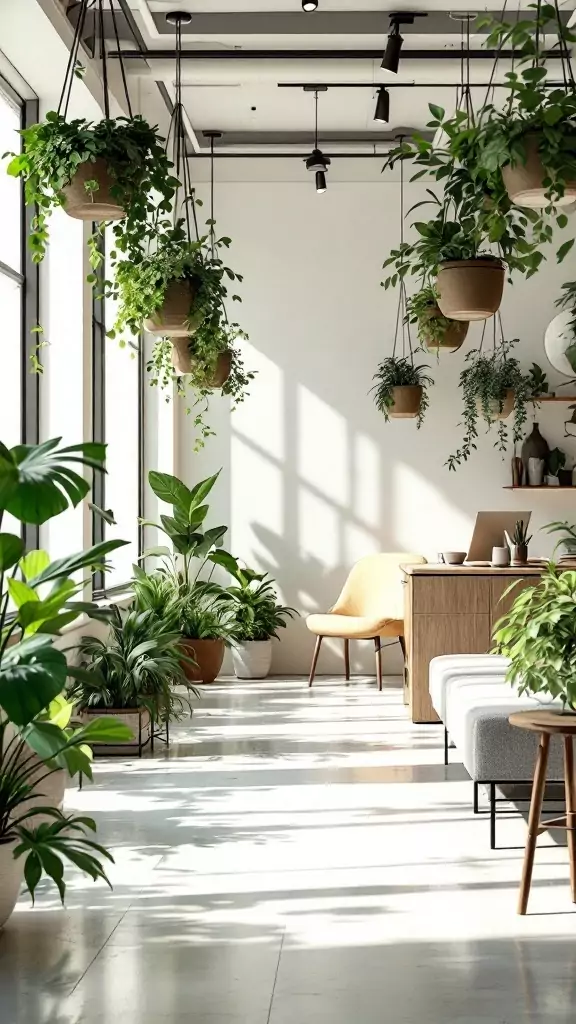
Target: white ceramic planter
column 11, row 875
column 252, row 660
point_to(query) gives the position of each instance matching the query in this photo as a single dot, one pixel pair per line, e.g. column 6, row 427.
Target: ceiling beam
column 332, row 55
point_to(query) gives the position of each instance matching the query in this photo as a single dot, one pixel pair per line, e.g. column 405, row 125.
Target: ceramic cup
column 454, row 557
column 501, row 557
column 535, row 472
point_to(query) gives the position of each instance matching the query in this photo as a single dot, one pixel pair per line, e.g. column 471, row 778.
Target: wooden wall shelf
column 540, row 487
column 556, row 398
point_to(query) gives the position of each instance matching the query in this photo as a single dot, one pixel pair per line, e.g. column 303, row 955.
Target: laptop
column 489, row 530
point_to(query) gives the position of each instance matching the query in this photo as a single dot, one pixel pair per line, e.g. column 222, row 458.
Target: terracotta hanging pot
column 208, row 655
column 100, row 204
column 184, row 362
column 470, row 289
column 453, row 338
column 407, row 399
column 173, row 319
column 524, row 181
column 497, row 413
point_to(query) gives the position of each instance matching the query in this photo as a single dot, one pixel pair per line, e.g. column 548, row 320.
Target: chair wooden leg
column 315, row 659
column 570, row 786
column 377, row 645
column 534, row 821
column 347, row 658
column 405, row 687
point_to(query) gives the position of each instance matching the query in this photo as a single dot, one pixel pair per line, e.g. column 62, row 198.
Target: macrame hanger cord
column 120, row 59
column 72, row 58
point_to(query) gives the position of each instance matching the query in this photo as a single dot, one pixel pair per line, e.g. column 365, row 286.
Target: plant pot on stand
column 470, row 289
column 252, row 659
column 524, row 181
column 92, row 204
column 208, row 655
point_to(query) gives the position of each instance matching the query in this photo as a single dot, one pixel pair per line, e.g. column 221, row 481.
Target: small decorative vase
column 501, row 557
column 517, row 471
column 534, row 447
column 519, row 554
column 536, row 472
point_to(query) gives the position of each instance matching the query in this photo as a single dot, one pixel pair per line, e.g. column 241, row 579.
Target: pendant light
column 391, row 59
column 382, row 112
column 309, row 5
column 317, row 161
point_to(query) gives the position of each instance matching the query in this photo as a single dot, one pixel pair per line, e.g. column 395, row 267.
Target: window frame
column 99, row 341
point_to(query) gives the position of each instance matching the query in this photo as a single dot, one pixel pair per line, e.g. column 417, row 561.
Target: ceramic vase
column 534, row 447
column 536, row 472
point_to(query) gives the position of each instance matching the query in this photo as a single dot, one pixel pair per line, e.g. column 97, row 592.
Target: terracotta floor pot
column 11, row 875
column 173, row 319
column 407, row 399
column 470, row 289
column 209, row 655
column 97, row 205
column 524, row 181
column 183, row 361
column 494, row 406
column 454, row 336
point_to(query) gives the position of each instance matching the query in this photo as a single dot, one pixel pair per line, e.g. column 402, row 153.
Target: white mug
column 501, row 557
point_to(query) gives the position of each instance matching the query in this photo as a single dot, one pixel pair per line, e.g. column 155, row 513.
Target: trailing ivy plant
column 134, row 153
column 484, row 382
column 394, row 372
column 423, row 311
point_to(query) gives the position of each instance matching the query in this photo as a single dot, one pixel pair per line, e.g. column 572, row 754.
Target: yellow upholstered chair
column 371, row 606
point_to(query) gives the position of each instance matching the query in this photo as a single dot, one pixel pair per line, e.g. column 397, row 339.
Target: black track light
column 382, row 112
column 309, row 5
column 320, row 182
column 391, row 60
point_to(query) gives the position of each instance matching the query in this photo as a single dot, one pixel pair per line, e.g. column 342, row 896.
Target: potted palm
column 207, row 628
column 132, row 675
column 258, row 616
column 493, row 387
column 104, row 171
column 400, row 389
column 435, row 331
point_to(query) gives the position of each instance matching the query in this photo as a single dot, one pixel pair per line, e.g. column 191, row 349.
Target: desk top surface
column 439, row 569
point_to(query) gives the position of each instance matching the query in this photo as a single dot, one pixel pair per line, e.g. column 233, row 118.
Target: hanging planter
column 435, row 331
column 177, row 316
column 184, row 362
column 400, row 389
column 470, row 289
column 96, row 171
column 524, row 179
column 493, row 387
column 406, row 402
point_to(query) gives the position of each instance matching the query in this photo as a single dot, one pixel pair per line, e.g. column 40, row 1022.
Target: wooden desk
column 452, row 609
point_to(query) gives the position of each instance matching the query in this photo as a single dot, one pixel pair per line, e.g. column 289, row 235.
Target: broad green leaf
column 46, row 485
column 11, row 548
column 170, row 489
column 200, row 491
column 34, row 562
column 32, row 674
column 564, row 250
column 225, row 559
column 92, row 558
column 8, row 475
column 21, row 593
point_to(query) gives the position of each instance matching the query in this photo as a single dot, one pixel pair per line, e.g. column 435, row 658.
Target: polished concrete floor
column 299, row 857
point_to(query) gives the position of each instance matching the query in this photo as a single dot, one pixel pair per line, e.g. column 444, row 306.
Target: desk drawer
column 501, row 605
column 451, row 595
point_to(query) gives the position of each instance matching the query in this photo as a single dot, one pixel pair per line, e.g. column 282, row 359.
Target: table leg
column 534, row 821
column 569, row 786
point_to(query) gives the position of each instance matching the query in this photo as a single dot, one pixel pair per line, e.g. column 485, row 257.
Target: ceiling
column 246, row 62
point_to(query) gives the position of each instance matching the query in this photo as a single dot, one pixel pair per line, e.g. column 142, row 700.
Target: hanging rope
column 212, row 236
column 99, row 50
column 401, row 318
column 176, row 139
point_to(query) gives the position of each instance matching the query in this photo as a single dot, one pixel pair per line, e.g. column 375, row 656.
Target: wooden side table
column 548, row 723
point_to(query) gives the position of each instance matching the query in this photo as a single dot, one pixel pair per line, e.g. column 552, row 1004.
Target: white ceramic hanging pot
column 11, row 875
column 252, row 659
column 558, row 339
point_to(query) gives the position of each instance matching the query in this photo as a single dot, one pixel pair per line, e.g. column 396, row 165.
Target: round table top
column 545, row 721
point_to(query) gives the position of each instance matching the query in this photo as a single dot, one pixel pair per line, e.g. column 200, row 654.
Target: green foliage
column 539, row 636
column 134, row 153
column 208, row 613
column 520, row 535
column 538, row 382
column 258, row 613
column 37, row 481
column 567, row 538
column 422, row 309
column 396, row 371
column 137, row 666
column 556, row 461
column 484, row 382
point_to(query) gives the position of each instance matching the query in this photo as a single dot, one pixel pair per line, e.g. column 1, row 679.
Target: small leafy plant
column 399, row 371
column 484, row 382
column 258, row 613
column 539, row 636
column 208, row 614
column 136, row 160
column 422, row 309
column 520, row 536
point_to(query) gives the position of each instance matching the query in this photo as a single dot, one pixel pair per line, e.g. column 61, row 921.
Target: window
column 11, row 276
column 117, row 416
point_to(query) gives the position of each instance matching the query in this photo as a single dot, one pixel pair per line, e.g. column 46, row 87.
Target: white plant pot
column 252, row 659
column 11, row 875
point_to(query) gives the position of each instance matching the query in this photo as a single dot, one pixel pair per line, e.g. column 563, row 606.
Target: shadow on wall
column 316, row 478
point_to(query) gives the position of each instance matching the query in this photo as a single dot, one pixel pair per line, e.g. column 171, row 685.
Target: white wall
column 313, row 477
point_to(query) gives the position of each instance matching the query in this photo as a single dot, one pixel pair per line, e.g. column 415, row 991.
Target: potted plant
column 258, row 616
column 132, row 675
column 38, row 482
column 207, row 627
column 519, row 542
column 400, row 389
column 435, row 331
column 538, row 636
column 97, row 172
column 493, row 387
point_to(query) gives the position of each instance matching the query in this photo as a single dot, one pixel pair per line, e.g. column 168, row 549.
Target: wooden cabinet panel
column 499, row 587
column 451, row 595
column 432, row 635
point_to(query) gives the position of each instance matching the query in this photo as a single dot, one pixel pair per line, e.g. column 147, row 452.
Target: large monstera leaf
column 37, row 481
column 32, row 673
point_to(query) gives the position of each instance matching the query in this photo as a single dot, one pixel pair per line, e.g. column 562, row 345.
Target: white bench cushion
column 447, row 668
